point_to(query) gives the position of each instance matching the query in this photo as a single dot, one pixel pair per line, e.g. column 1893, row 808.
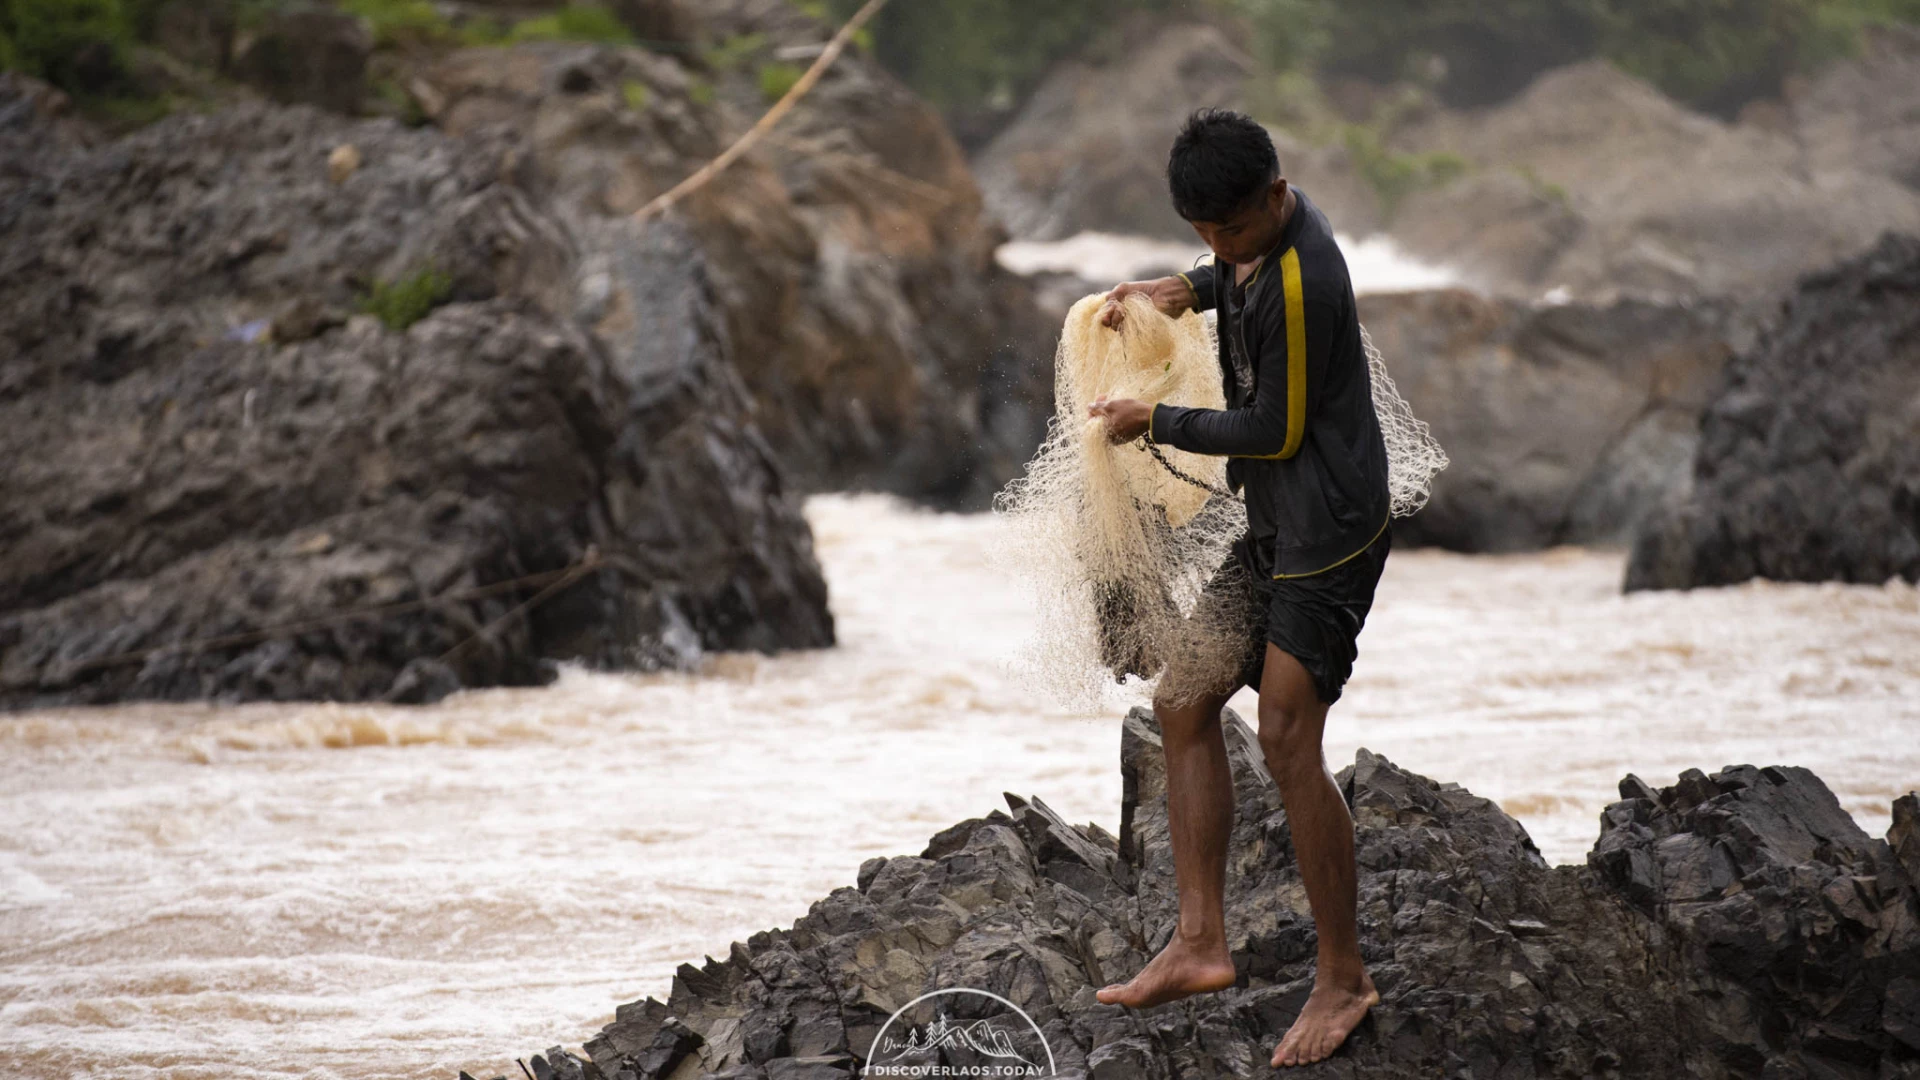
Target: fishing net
column 1414, row 457
column 1114, row 545
column 1117, row 541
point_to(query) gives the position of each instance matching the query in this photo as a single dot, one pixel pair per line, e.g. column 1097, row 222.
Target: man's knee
column 1290, row 737
column 1184, row 717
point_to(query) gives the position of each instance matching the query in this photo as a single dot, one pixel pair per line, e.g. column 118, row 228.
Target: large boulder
column 1807, row 468
column 1733, row 925
column 882, row 345
column 1593, row 181
column 1089, row 149
column 1563, row 423
column 218, row 479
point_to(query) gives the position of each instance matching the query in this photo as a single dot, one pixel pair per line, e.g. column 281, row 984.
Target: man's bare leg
column 1200, row 818
column 1292, row 718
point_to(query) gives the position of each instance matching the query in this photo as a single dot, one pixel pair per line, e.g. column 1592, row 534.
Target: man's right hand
column 1170, row 295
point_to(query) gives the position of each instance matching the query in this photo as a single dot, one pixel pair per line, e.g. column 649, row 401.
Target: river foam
column 361, row 891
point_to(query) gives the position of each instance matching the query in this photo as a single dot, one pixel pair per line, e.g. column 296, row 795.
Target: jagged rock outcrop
column 1592, row 180
column 1807, row 468
column 1799, row 931
column 201, row 439
column 1733, row 925
column 882, row 345
column 1564, row 423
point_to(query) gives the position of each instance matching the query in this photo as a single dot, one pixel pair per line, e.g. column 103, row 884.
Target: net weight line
column 1153, row 448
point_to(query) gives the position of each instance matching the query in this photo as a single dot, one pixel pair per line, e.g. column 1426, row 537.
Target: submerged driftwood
column 1738, row 924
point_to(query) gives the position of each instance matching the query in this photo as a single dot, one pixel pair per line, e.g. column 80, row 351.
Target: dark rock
column 1903, row 836
column 423, row 682
column 309, row 56
column 1806, row 468
column 198, row 31
column 1792, row 920
column 813, row 1067
column 1563, row 423
column 557, row 1064
column 225, row 510
column 657, row 20
column 1737, row 923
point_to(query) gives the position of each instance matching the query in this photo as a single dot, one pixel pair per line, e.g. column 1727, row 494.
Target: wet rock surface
column 202, row 438
column 1737, row 924
column 1563, row 423
column 1807, row 469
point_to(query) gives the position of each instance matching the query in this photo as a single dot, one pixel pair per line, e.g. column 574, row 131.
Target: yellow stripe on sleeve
column 1296, row 358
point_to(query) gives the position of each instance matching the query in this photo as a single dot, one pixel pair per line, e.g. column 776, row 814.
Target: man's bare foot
column 1178, row 971
column 1330, row 1013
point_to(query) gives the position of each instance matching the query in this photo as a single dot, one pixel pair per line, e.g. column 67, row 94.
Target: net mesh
column 1116, row 547
column 1414, row 456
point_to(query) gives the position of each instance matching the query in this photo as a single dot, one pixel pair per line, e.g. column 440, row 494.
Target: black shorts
column 1316, row 619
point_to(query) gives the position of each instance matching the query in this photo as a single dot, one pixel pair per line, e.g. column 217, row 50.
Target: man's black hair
column 1221, row 160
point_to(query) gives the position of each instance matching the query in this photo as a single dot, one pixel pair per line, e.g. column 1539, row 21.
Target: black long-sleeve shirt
column 1301, row 433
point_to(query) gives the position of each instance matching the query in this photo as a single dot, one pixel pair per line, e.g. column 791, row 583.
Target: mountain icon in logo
column 980, row 1036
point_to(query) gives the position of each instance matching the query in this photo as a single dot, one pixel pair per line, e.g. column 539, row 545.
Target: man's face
column 1252, row 231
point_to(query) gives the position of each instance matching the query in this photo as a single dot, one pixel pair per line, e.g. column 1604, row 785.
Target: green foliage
column 699, row 90
column 575, row 22
column 1721, row 55
column 402, row 22
column 78, row 45
column 401, row 303
column 777, row 78
column 1288, row 35
column 482, row 31
column 1713, row 54
column 731, row 54
column 635, row 94
column 1394, row 175
column 985, row 55
column 980, row 59
column 403, row 104
column 1471, row 51
column 1546, row 189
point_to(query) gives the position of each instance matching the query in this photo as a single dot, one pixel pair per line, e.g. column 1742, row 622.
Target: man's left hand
column 1126, row 418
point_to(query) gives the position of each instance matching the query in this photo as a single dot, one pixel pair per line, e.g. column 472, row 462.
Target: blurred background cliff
column 313, row 310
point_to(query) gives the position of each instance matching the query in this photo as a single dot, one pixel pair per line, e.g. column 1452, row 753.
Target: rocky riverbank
column 1807, row 468
column 302, row 405
column 1733, row 924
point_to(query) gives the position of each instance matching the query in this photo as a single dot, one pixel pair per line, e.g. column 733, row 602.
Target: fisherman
column 1305, row 448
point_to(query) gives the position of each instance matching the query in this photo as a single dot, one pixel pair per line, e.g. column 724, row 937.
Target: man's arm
column 1173, row 295
column 1294, row 342
column 1200, row 280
